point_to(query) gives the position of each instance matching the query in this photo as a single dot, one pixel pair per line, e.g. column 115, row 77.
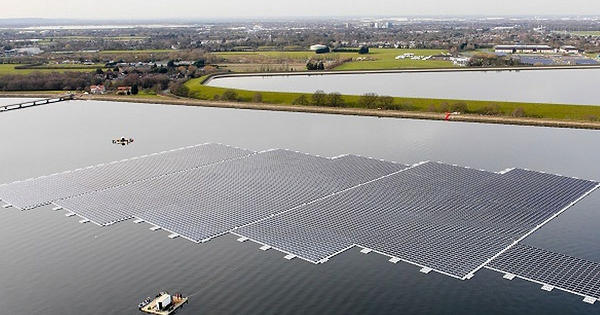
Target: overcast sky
column 210, row 9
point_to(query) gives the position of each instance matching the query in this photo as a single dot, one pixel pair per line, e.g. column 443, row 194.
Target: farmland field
column 376, row 59
column 139, row 51
column 380, row 59
column 10, row 68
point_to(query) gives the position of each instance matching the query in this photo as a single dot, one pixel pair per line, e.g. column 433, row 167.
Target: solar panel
column 41, row 191
column 567, row 273
column 448, row 218
column 206, row 202
column 451, row 219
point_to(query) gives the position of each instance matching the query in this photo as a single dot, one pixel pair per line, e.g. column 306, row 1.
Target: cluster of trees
column 491, row 60
column 80, row 81
column 232, row 96
column 368, row 100
column 372, row 101
column 315, row 65
column 319, row 98
column 492, row 109
column 67, row 81
column 143, row 81
column 335, row 99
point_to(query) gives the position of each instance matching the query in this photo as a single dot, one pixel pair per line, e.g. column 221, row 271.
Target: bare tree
column 368, row 100
column 335, row 99
column 319, row 98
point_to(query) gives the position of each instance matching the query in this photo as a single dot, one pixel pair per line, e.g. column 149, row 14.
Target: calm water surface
column 534, row 86
column 51, row 264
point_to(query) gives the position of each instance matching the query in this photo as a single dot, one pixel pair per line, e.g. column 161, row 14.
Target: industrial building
column 568, row 49
column 525, row 49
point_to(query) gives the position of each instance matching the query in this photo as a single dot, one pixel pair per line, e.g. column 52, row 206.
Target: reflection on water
column 533, row 86
column 53, row 263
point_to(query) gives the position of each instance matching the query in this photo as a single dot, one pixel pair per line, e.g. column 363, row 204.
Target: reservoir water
column 564, row 86
column 51, row 264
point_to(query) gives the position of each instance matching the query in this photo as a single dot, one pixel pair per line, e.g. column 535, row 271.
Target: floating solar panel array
column 206, row 202
column 451, row 219
column 552, row 270
column 445, row 218
column 36, row 192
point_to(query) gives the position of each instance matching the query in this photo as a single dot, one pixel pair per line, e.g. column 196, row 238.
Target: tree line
column 49, row 81
column 368, row 100
column 79, row 81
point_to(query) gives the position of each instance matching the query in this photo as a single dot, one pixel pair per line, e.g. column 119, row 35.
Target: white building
column 317, row 47
column 524, row 49
column 163, row 302
column 568, row 49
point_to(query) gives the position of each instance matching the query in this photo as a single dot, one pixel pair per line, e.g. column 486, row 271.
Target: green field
column 385, row 59
column 538, row 110
column 587, row 33
column 271, row 55
column 63, row 66
column 139, row 51
column 101, row 37
column 10, row 68
column 17, row 93
column 263, row 67
column 376, row 59
column 146, row 94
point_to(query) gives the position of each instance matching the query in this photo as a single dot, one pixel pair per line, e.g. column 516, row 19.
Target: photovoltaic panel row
column 451, row 219
column 41, row 191
column 206, row 202
column 564, row 272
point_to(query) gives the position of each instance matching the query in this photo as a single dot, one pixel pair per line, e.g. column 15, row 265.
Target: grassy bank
column 171, row 100
column 346, row 111
column 507, row 109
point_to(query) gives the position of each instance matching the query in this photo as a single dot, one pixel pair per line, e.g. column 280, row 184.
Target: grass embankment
column 532, row 110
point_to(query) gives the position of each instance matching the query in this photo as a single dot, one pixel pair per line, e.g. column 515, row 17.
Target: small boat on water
column 122, row 141
column 163, row 304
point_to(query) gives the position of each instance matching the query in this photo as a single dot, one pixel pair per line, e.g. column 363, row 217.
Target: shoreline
column 181, row 101
column 471, row 118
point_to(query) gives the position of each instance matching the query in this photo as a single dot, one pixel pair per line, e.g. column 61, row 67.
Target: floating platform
column 444, row 218
column 177, row 302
